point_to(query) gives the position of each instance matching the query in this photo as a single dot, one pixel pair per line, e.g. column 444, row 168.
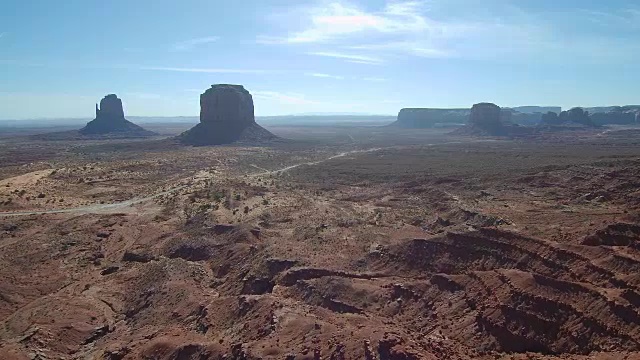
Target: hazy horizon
column 373, row 56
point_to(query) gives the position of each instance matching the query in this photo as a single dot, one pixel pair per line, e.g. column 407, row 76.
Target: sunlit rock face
column 110, row 120
column 226, row 116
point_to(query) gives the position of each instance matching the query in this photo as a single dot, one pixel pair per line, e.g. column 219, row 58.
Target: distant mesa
column 615, row 115
column 110, row 120
column 490, row 120
column 226, row 116
column 424, row 118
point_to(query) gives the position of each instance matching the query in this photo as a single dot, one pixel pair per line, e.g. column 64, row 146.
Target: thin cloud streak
column 192, row 43
column 361, row 59
column 329, row 76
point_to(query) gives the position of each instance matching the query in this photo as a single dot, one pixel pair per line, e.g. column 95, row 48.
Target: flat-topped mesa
column 110, row 121
column 226, row 116
column 418, row 118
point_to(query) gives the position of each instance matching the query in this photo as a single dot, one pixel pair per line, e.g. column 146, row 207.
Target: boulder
column 226, row 116
column 110, row 120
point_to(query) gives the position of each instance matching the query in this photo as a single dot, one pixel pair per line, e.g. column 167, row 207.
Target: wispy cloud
column 329, row 76
column 362, row 59
column 206, row 70
column 2, row 34
column 398, row 28
column 456, row 28
column 336, row 19
column 284, row 98
column 192, row 43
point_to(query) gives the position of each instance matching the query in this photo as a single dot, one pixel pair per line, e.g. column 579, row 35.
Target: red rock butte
column 226, row 116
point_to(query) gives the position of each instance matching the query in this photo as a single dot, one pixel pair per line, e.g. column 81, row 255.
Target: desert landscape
column 320, row 242
column 319, row 180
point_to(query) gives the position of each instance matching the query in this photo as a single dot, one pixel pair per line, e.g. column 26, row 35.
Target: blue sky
column 57, row 58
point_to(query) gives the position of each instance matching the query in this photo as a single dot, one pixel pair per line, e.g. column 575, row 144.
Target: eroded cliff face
column 110, row 120
column 226, row 116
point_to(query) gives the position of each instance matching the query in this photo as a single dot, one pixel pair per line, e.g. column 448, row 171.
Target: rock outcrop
column 575, row 115
column 226, row 116
column 110, row 120
column 570, row 119
column 618, row 115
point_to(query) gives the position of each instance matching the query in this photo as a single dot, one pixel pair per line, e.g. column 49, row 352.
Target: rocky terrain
column 226, row 116
column 345, row 243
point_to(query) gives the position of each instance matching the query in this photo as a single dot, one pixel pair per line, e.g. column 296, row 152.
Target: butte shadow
column 226, row 117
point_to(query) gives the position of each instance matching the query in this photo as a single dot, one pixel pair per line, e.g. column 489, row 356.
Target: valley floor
column 341, row 243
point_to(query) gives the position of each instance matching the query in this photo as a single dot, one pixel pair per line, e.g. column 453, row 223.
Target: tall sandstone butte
column 110, row 120
column 226, row 116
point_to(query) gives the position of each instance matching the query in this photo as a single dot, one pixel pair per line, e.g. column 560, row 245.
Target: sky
column 58, row 58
